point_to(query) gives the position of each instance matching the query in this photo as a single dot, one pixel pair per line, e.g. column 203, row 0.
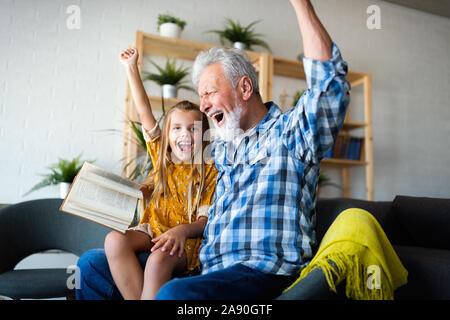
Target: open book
column 105, row 198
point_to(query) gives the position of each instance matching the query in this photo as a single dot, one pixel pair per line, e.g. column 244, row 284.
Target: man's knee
column 88, row 260
column 93, row 272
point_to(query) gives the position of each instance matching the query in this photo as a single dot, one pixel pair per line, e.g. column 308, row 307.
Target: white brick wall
column 59, row 87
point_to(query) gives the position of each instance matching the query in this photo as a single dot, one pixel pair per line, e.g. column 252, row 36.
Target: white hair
column 235, row 64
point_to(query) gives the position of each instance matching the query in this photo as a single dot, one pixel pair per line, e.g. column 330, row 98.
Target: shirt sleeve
column 152, row 138
column 312, row 126
column 207, row 196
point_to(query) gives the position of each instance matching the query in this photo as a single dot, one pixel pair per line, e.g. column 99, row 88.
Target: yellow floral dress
column 172, row 209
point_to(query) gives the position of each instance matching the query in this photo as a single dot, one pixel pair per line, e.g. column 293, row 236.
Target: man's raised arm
column 313, row 125
column 317, row 43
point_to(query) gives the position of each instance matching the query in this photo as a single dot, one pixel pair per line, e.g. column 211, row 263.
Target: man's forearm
column 317, row 43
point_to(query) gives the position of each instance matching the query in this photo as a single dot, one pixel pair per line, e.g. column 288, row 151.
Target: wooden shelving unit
column 267, row 66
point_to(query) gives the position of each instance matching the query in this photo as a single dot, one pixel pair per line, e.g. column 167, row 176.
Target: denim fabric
column 237, row 282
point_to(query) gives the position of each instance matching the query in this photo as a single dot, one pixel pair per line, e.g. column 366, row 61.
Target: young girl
column 181, row 193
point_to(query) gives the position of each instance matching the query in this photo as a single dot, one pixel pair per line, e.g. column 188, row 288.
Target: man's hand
column 129, row 56
column 173, row 240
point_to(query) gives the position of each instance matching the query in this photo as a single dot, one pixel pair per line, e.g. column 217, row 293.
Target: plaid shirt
column 263, row 212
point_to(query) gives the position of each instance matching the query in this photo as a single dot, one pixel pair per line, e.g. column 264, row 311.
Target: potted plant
column 170, row 26
column 241, row 37
column 170, row 78
column 62, row 173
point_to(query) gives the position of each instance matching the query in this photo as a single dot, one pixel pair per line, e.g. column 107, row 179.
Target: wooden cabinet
column 267, row 66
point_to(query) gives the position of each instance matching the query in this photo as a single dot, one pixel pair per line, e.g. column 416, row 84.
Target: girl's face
column 185, row 135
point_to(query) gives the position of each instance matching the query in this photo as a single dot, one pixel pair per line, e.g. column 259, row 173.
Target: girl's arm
column 129, row 59
column 174, row 239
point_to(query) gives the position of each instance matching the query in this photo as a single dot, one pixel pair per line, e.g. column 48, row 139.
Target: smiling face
column 185, row 134
column 219, row 101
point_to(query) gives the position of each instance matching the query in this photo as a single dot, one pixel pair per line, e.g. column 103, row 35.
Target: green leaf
column 168, row 18
column 169, row 74
column 234, row 32
column 62, row 171
column 138, row 133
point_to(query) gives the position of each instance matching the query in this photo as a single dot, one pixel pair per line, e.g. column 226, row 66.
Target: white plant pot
column 64, row 189
column 169, row 91
column 171, row 30
column 239, row 45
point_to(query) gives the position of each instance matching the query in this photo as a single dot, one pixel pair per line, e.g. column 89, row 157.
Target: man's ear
column 245, row 88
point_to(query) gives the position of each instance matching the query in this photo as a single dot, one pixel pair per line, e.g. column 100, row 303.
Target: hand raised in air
column 129, row 56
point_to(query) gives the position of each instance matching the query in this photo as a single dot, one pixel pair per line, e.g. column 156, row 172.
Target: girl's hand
column 129, row 56
column 173, row 240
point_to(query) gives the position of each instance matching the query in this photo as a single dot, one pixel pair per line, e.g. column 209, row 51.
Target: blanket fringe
column 338, row 266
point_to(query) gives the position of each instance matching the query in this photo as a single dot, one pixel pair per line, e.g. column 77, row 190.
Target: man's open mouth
column 218, row 117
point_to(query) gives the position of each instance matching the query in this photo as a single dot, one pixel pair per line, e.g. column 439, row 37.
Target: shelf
column 168, row 102
column 288, row 68
column 181, row 48
column 294, row 69
column 352, row 125
column 342, row 162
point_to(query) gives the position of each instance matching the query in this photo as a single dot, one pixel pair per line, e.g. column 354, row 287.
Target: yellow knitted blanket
column 362, row 254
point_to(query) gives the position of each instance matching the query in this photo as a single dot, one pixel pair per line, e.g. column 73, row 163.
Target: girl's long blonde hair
column 157, row 179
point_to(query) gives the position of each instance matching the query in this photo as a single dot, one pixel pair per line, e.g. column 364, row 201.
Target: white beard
column 231, row 129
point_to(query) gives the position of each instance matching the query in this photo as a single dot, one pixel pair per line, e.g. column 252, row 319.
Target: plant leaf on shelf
column 62, row 171
column 169, row 74
column 168, row 18
column 234, row 32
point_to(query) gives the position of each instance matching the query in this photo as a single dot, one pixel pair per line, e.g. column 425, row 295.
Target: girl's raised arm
column 129, row 59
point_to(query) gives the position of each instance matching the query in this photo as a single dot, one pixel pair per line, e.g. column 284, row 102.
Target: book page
column 93, row 216
column 103, row 200
column 115, row 179
column 113, row 185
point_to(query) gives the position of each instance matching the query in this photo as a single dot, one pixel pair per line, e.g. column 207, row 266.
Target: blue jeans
column 237, row 282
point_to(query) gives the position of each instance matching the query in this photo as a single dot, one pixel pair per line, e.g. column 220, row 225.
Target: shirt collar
column 269, row 119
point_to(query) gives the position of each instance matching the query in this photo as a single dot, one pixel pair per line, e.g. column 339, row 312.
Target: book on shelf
column 346, row 147
column 104, row 198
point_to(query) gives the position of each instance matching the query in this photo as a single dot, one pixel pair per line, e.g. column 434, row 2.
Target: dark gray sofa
column 35, row 226
column 418, row 228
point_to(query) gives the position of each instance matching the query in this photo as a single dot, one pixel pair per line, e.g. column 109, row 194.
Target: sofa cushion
column 428, row 273
column 426, row 220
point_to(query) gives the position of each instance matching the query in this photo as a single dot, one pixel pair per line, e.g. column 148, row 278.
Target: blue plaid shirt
column 263, row 212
